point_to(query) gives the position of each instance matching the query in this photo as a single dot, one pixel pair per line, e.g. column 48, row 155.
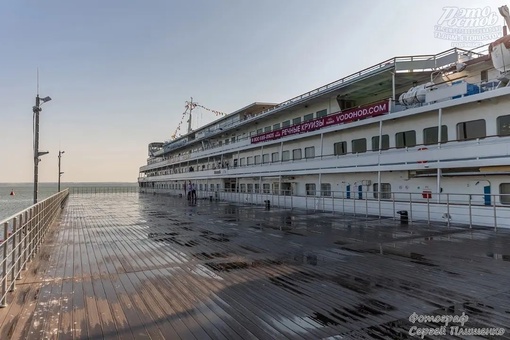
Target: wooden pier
column 135, row 266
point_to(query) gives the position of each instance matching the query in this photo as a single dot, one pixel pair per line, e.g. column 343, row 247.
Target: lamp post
column 36, row 110
column 59, row 172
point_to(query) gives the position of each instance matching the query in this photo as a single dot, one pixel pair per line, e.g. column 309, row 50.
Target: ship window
column 340, row 148
column 321, row 113
column 276, row 126
column 296, row 154
column 286, row 124
column 257, row 188
column 503, row 123
column 267, row 129
column 257, row 159
column 430, row 135
column 265, row 158
column 200, row 187
column 227, row 141
column 296, row 121
column 250, row 187
column 325, row 189
column 310, row 189
column 285, row 156
column 471, row 129
column 218, row 187
column 249, row 160
column 274, row 157
column 211, row 187
column 233, row 140
column 385, row 143
column 310, row 152
column 359, row 145
column 385, row 190
column 484, row 76
column 266, row 188
column 504, row 193
column 405, row 139
column 276, row 188
column 243, row 187
column 308, row 117
column 242, row 161
column 259, row 131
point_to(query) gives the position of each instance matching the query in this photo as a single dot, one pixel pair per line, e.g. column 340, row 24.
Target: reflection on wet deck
column 134, row 267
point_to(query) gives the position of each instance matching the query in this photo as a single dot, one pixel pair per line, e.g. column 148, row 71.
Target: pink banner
column 347, row 116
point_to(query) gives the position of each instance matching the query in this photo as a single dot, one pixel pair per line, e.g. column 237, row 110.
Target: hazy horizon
column 119, row 72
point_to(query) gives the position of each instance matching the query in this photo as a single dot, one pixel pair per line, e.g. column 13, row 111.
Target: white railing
column 21, row 237
column 471, row 210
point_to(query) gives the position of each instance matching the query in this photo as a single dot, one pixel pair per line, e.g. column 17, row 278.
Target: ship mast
column 190, row 106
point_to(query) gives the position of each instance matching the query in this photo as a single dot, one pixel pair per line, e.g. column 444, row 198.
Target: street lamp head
column 46, row 99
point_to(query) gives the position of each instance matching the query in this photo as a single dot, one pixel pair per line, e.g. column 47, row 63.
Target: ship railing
column 21, row 237
column 427, row 206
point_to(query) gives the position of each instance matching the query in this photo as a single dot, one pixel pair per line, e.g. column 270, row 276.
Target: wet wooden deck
column 134, row 267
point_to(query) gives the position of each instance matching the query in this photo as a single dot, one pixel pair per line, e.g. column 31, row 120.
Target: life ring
column 421, row 149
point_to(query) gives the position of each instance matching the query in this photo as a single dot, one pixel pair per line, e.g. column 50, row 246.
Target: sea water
column 24, row 194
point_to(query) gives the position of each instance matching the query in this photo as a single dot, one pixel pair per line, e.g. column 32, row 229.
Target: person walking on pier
column 194, row 192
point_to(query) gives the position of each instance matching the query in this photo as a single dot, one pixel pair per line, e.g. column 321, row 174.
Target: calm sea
column 24, row 194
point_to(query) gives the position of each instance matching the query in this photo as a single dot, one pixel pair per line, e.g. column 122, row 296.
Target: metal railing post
column 411, row 208
column 4, row 267
column 366, row 204
column 495, row 216
column 470, row 214
column 448, row 209
column 428, row 209
column 25, row 240
column 13, row 259
column 393, row 200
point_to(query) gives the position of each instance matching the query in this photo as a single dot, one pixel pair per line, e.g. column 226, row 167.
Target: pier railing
column 488, row 210
column 20, row 239
column 103, row 190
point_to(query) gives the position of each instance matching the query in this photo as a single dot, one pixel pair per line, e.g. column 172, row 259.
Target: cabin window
column 259, row 131
column 310, row 189
column 321, row 113
column 340, row 148
column 430, row 135
column 233, row 140
column 296, row 154
column 325, row 189
column 286, row 124
column 257, row 159
column 385, row 190
column 484, row 75
column 276, row 188
column 242, row 161
column 211, row 187
column 296, row 121
column 503, row 123
column 308, row 117
column 200, row 187
column 266, row 188
column 504, row 193
column 267, row 129
column 243, row 187
column 385, row 143
column 285, row 156
column 471, row 129
column 257, row 188
column 250, row 187
column 274, row 157
column 249, row 160
column 227, row 141
column 405, row 139
column 359, row 145
column 265, row 158
column 276, row 126
column 310, row 152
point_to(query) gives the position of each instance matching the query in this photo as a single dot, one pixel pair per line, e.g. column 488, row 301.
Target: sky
column 119, row 72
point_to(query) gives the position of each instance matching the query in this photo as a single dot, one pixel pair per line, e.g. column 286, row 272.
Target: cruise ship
column 424, row 137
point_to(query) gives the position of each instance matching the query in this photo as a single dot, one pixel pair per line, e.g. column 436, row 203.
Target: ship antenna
column 190, row 109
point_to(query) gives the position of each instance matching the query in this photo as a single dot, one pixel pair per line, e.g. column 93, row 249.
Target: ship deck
column 148, row 266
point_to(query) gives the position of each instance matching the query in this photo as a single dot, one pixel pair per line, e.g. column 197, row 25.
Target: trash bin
column 268, row 204
column 210, row 198
column 404, row 216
